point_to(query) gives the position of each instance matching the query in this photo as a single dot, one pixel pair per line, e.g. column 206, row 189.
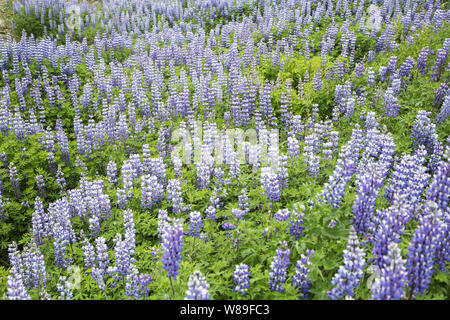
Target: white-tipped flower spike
column 348, row 276
column 197, row 287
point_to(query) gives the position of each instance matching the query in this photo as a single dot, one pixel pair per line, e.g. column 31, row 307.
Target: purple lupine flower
column 4, row 159
column 64, row 288
column 137, row 284
column 40, row 222
column 334, row 140
column 122, row 131
column 390, row 283
column 218, row 175
column 441, row 92
column 51, row 162
column 60, row 181
column 15, row 183
column 41, row 185
column 424, row 132
column 204, row 171
column 136, row 164
column 396, row 86
column 25, row 204
column 422, row 60
column 239, row 214
column 351, row 272
column 88, row 255
column 235, row 167
column 154, row 253
column 359, row 70
column 438, row 193
column 161, row 144
column 286, row 105
column 332, row 224
column 439, row 183
column 293, row 148
column 296, row 222
column 243, row 201
column 174, row 195
column 349, row 108
column 64, row 146
column 327, row 151
column 334, row 190
column 152, row 191
column 300, row 280
column 172, row 245
column 146, row 159
column 310, row 156
column 408, row 178
column 265, row 101
column 270, row 184
column 196, row 224
column 317, row 81
column 441, row 57
column 282, row 215
column 102, row 261
column 49, row 142
column 94, row 223
column 60, row 242
column 370, row 77
column 382, row 73
column 197, row 287
column 177, row 165
column 15, row 287
column 279, row 268
column 422, row 250
column 34, row 273
column 392, row 65
column 15, row 258
column 210, row 213
column 18, row 125
column 390, row 102
column 127, row 175
column 163, row 219
column 445, row 111
column 368, row 185
column 122, row 198
column 405, row 69
column 388, row 226
column 227, row 226
column 242, row 277
column 111, row 172
column 2, row 206
column 122, row 256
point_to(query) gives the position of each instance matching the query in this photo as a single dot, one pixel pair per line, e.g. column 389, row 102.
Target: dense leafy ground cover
column 225, row 149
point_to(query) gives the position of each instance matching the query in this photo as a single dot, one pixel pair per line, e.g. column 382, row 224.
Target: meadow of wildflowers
column 225, row 149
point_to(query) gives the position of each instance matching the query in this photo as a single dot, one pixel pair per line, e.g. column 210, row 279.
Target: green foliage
column 30, row 24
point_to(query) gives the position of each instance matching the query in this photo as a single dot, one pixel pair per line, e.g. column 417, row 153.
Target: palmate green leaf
column 330, row 264
column 443, row 277
column 335, row 234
